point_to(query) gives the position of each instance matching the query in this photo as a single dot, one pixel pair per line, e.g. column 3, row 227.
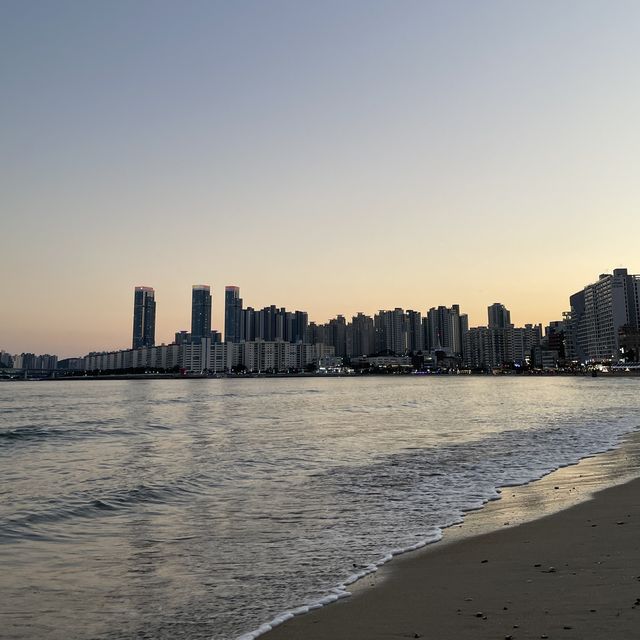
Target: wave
column 109, row 427
column 84, row 505
column 32, row 433
column 464, row 481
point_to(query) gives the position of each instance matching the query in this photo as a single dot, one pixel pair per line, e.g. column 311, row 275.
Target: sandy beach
column 507, row 573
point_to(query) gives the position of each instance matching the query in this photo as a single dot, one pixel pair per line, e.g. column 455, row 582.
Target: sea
column 217, row 508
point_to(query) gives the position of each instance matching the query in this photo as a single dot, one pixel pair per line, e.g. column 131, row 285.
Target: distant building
column 481, row 349
column 6, row 359
column 200, row 311
column 255, row 356
column 518, row 342
column 45, row 362
column 381, row 361
column 629, row 339
column 70, row 364
column 552, row 350
column 499, row 316
column 24, row 361
column 181, row 337
column 336, row 335
column 543, row 358
column 144, row 317
column 232, row 314
column 493, row 347
column 360, row 336
column 444, row 329
column 300, row 323
column 415, row 332
column 598, row 313
column 269, row 323
column 163, row 357
column 391, row 332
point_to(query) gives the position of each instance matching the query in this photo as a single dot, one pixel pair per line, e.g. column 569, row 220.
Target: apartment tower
column 200, row 311
column 144, row 317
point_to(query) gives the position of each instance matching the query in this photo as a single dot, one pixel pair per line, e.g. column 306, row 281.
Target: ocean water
column 211, row 508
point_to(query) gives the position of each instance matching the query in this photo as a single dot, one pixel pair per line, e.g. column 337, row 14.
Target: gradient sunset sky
column 331, row 156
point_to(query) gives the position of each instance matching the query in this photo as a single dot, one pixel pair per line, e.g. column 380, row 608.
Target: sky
column 334, row 156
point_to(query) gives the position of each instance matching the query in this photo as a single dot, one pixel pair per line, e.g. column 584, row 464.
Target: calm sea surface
column 206, row 508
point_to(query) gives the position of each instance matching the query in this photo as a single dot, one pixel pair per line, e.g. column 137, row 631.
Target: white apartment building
column 203, row 355
column 599, row 311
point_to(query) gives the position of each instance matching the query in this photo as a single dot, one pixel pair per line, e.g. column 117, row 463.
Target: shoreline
column 550, row 522
column 635, row 373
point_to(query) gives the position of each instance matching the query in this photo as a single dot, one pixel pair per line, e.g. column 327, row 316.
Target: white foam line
column 340, row 591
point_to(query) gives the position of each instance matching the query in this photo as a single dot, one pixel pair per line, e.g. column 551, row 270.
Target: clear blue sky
column 330, row 156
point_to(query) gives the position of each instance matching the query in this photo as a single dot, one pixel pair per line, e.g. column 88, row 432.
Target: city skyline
column 497, row 316
column 602, row 324
column 215, row 316
column 334, row 157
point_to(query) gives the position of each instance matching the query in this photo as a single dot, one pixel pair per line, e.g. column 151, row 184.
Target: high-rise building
column 272, row 323
column 6, row 359
column 232, row 314
column 499, row 316
column 338, row 335
column 248, row 324
column 482, row 348
column 144, row 317
column 415, row 334
column 391, row 331
column 200, row 312
column 301, row 320
column 445, row 329
column 361, row 336
column 599, row 313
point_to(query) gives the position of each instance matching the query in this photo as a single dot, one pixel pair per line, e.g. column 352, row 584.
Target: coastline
column 557, row 557
column 635, row 373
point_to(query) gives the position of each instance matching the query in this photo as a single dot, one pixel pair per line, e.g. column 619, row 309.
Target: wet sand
column 511, row 571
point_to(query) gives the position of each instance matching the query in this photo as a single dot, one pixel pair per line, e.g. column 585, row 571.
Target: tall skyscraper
column 232, row 314
column 200, row 312
column 144, row 317
column 499, row 316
